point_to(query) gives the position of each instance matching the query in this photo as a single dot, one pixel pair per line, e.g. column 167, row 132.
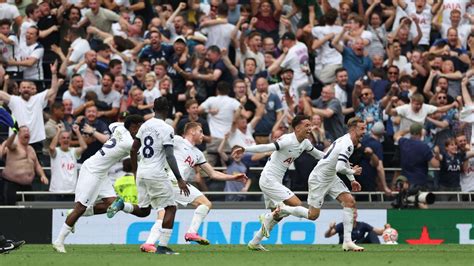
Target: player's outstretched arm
column 221, row 176
column 317, row 154
column 263, row 147
column 174, row 167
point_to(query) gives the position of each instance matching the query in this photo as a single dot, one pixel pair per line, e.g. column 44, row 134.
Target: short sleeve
column 346, row 152
column 201, row 158
column 111, row 15
column 430, row 108
column 402, row 110
column 206, row 104
column 37, row 53
column 168, row 136
column 116, row 102
column 283, row 142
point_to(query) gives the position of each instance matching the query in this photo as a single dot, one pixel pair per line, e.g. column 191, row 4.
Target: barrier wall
column 237, row 226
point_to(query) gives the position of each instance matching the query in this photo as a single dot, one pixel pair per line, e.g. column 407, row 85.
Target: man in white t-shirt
column 64, row 160
column 220, row 34
column 220, row 111
column 30, row 56
column 424, row 13
column 8, row 46
column 79, row 46
column 296, row 59
column 107, row 94
column 331, row 59
column 284, row 89
column 416, row 111
column 10, row 12
column 28, row 107
column 33, row 15
column 455, row 22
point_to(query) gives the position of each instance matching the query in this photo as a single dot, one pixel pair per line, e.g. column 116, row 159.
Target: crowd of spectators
column 243, row 69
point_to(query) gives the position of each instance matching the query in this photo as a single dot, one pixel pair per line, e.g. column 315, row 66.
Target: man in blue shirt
column 353, row 59
column 415, row 156
column 361, row 233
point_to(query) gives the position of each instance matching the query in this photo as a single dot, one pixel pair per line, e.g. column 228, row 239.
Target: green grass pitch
column 226, row 255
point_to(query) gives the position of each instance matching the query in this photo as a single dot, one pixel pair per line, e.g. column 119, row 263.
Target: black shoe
column 11, row 245
column 165, row 251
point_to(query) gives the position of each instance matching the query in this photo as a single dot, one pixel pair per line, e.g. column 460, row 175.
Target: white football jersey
column 115, row 149
column 154, row 134
column 288, row 149
column 340, row 150
column 187, row 156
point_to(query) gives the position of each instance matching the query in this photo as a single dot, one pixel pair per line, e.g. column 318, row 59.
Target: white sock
column 347, row 221
column 89, row 211
column 165, row 235
column 297, row 211
column 199, row 214
column 154, row 232
column 127, row 207
column 258, row 237
column 65, row 230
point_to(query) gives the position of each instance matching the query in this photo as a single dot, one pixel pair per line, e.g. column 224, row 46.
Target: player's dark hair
column 133, row 120
column 352, row 123
column 191, row 125
column 161, row 105
column 5, row 21
column 297, row 120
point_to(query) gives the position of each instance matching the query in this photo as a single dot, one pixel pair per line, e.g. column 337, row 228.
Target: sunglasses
column 393, row 73
column 442, row 98
column 214, row 6
column 365, row 94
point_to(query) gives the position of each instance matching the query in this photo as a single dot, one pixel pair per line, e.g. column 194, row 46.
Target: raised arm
column 54, row 142
column 82, row 141
column 436, row 6
column 336, row 41
column 466, row 96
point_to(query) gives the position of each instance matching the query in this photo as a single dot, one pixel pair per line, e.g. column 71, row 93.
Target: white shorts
column 318, row 190
column 274, row 192
column 158, row 193
column 183, row 200
column 91, row 187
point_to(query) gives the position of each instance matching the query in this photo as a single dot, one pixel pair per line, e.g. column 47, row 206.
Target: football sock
column 258, row 237
column 347, row 221
column 128, row 207
column 65, row 230
column 165, row 235
column 199, row 214
column 154, row 232
column 89, row 211
column 297, row 211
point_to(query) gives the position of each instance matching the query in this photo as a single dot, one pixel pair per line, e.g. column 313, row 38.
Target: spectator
column 156, row 52
column 297, row 59
column 365, row 105
column 361, row 233
column 10, row 12
column 138, row 106
column 343, row 90
column 21, row 164
column 74, row 92
column 8, row 47
column 467, row 173
column 268, row 17
column 219, row 32
column 329, row 108
column 373, row 172
column 416, row 111
column 236, row 166
column 87, row 70
column 107, row 94
column 64, row 161
column 192, row 109
column 273, row 112
column 284, row 90
column 220, row 110
column 95, row 132
column 219, row 71
column 331, row 60
column 415, row 155
column 30, row 57
column 28, row 107
column 378, row 29
column 56, row 119
column 33, row 14
column 353, row 59
column 179, row 71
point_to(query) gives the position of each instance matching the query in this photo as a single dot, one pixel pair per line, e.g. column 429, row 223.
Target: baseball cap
column 181, row 39
column 402, row 178
column 283, row 70
column 378, row 128
column 415, row 129
column 288, row 36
